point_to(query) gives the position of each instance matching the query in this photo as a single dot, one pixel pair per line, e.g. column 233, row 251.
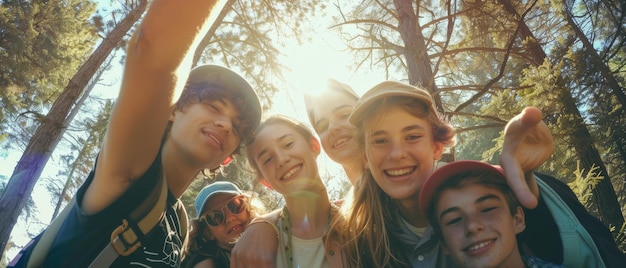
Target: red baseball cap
column 448, row 170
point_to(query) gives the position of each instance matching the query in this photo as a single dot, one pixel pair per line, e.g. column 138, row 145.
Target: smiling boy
column 169, row 124
column 476, row 215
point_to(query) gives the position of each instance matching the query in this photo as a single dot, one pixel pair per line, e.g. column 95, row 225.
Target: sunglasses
column 216, row 217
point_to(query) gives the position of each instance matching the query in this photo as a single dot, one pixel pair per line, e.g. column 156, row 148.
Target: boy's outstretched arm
column 156, row 67
column 528, row 143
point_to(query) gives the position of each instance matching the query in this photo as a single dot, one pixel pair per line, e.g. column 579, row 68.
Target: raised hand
column 528, row 143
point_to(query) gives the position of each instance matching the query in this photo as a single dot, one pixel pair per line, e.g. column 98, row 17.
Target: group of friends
column 172, row 122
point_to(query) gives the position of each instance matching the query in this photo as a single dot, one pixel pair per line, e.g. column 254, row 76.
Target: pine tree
column 48, row 133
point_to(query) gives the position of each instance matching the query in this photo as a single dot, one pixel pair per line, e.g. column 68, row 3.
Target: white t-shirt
column 306, row 252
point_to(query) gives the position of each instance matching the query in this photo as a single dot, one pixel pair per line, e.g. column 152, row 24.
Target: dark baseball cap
column 231, row 80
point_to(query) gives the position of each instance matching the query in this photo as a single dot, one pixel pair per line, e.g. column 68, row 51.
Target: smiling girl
column 328, row 113
column 283, row 154
column 403, row 137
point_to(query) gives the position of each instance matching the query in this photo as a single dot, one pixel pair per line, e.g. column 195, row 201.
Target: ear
column 266, row 183
column 227, row 160
column 437, row 150
column 519, row 220
column 315, row 145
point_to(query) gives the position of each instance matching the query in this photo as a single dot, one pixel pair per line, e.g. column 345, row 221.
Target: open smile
column 480, row 247
column 238, row 228
column 399, row 171
column 291, row 172
column 341, row 141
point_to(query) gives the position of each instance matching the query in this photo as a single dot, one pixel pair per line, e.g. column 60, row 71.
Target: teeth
column 479, row 246
column 399, row 172
column 291, row 172
column 340, row 141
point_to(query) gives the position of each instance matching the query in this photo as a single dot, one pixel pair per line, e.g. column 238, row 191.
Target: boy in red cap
column 476, row 215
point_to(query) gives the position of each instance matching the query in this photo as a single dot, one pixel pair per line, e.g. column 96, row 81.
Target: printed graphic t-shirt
column 82, row 237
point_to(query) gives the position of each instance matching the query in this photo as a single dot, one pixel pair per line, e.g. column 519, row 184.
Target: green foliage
column 582, row 185
column 620, row 238
column 489, row 59
column 42, row 45
column 483, row 70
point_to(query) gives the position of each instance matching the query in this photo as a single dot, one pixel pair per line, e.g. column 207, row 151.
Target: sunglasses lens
column 236, row 206
column 215, row 218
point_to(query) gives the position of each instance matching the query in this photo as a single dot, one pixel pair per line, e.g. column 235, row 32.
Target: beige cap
column 384, row 90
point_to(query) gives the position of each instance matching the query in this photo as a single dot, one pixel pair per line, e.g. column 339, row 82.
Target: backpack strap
column 42, row 247
column 127, row 237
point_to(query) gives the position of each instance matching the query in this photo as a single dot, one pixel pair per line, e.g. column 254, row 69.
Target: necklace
column 284, row 221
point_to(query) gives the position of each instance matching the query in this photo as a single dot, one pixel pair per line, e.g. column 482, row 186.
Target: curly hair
column 204, row 91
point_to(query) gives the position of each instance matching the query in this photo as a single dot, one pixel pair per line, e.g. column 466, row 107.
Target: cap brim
column 206, row 200
column 219, row 187
column 384, row 90
column 231, row 80
column 445, row 172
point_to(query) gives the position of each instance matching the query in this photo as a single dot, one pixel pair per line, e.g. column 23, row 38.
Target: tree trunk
column 604, row 193
column 48, row 134
column 70, row 117
column 416, row 56
column 415, row 53
column 597, row 61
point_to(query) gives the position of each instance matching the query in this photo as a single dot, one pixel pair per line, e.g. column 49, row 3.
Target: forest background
column 482, row 61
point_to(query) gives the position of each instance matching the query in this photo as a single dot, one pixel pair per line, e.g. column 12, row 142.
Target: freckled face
column 206, row 131
column 478, row 228
column 330, row 114
column 401, row 152
column 285, row 158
